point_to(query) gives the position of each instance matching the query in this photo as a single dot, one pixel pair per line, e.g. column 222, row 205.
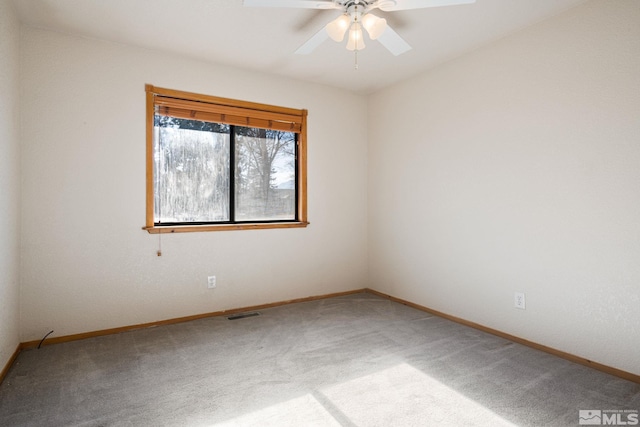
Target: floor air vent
column 243, row 315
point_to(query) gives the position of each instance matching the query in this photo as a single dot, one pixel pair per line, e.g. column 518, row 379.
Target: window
column 221, row 164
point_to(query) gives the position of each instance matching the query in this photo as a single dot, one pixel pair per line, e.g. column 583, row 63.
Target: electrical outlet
column 211, row 282
column 518, row 300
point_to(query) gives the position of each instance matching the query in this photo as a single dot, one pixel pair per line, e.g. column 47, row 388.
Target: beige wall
column 9, row 182
column 87, row 265
column 517, row 168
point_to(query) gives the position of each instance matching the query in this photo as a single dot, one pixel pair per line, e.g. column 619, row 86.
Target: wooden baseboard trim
column 9, row 363
column 111, row 331
column 559, row 353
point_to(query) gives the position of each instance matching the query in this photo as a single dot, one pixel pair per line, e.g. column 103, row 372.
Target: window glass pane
column 265, row 175
column 191, row 173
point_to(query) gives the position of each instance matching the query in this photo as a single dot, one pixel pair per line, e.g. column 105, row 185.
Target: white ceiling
column 264, row 39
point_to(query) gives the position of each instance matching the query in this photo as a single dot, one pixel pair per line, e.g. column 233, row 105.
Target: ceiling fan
column 356, row 16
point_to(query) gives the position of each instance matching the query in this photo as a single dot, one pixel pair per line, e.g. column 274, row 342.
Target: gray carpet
column 358, row 360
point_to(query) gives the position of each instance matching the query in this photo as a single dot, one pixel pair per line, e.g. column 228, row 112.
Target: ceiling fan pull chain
column 355, row 65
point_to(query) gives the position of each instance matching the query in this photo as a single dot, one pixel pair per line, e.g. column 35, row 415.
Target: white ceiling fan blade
column 392, row 41
column 392, row 5
column 315, row 41
column 298, row 4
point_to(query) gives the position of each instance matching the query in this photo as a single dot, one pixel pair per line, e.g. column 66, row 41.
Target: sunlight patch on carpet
column 403, row 395
column 301, row 411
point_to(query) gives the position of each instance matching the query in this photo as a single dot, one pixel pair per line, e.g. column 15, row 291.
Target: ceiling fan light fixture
column 375, row 26
column 338, row 27
column 356, row 39
column 355, row 15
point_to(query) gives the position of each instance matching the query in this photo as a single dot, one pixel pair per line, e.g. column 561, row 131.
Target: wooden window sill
column 222, row 227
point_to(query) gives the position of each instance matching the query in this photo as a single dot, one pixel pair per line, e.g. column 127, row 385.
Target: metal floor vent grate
column 243, row 315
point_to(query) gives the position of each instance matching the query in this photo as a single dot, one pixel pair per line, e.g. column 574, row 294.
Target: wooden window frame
column 229, row 111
